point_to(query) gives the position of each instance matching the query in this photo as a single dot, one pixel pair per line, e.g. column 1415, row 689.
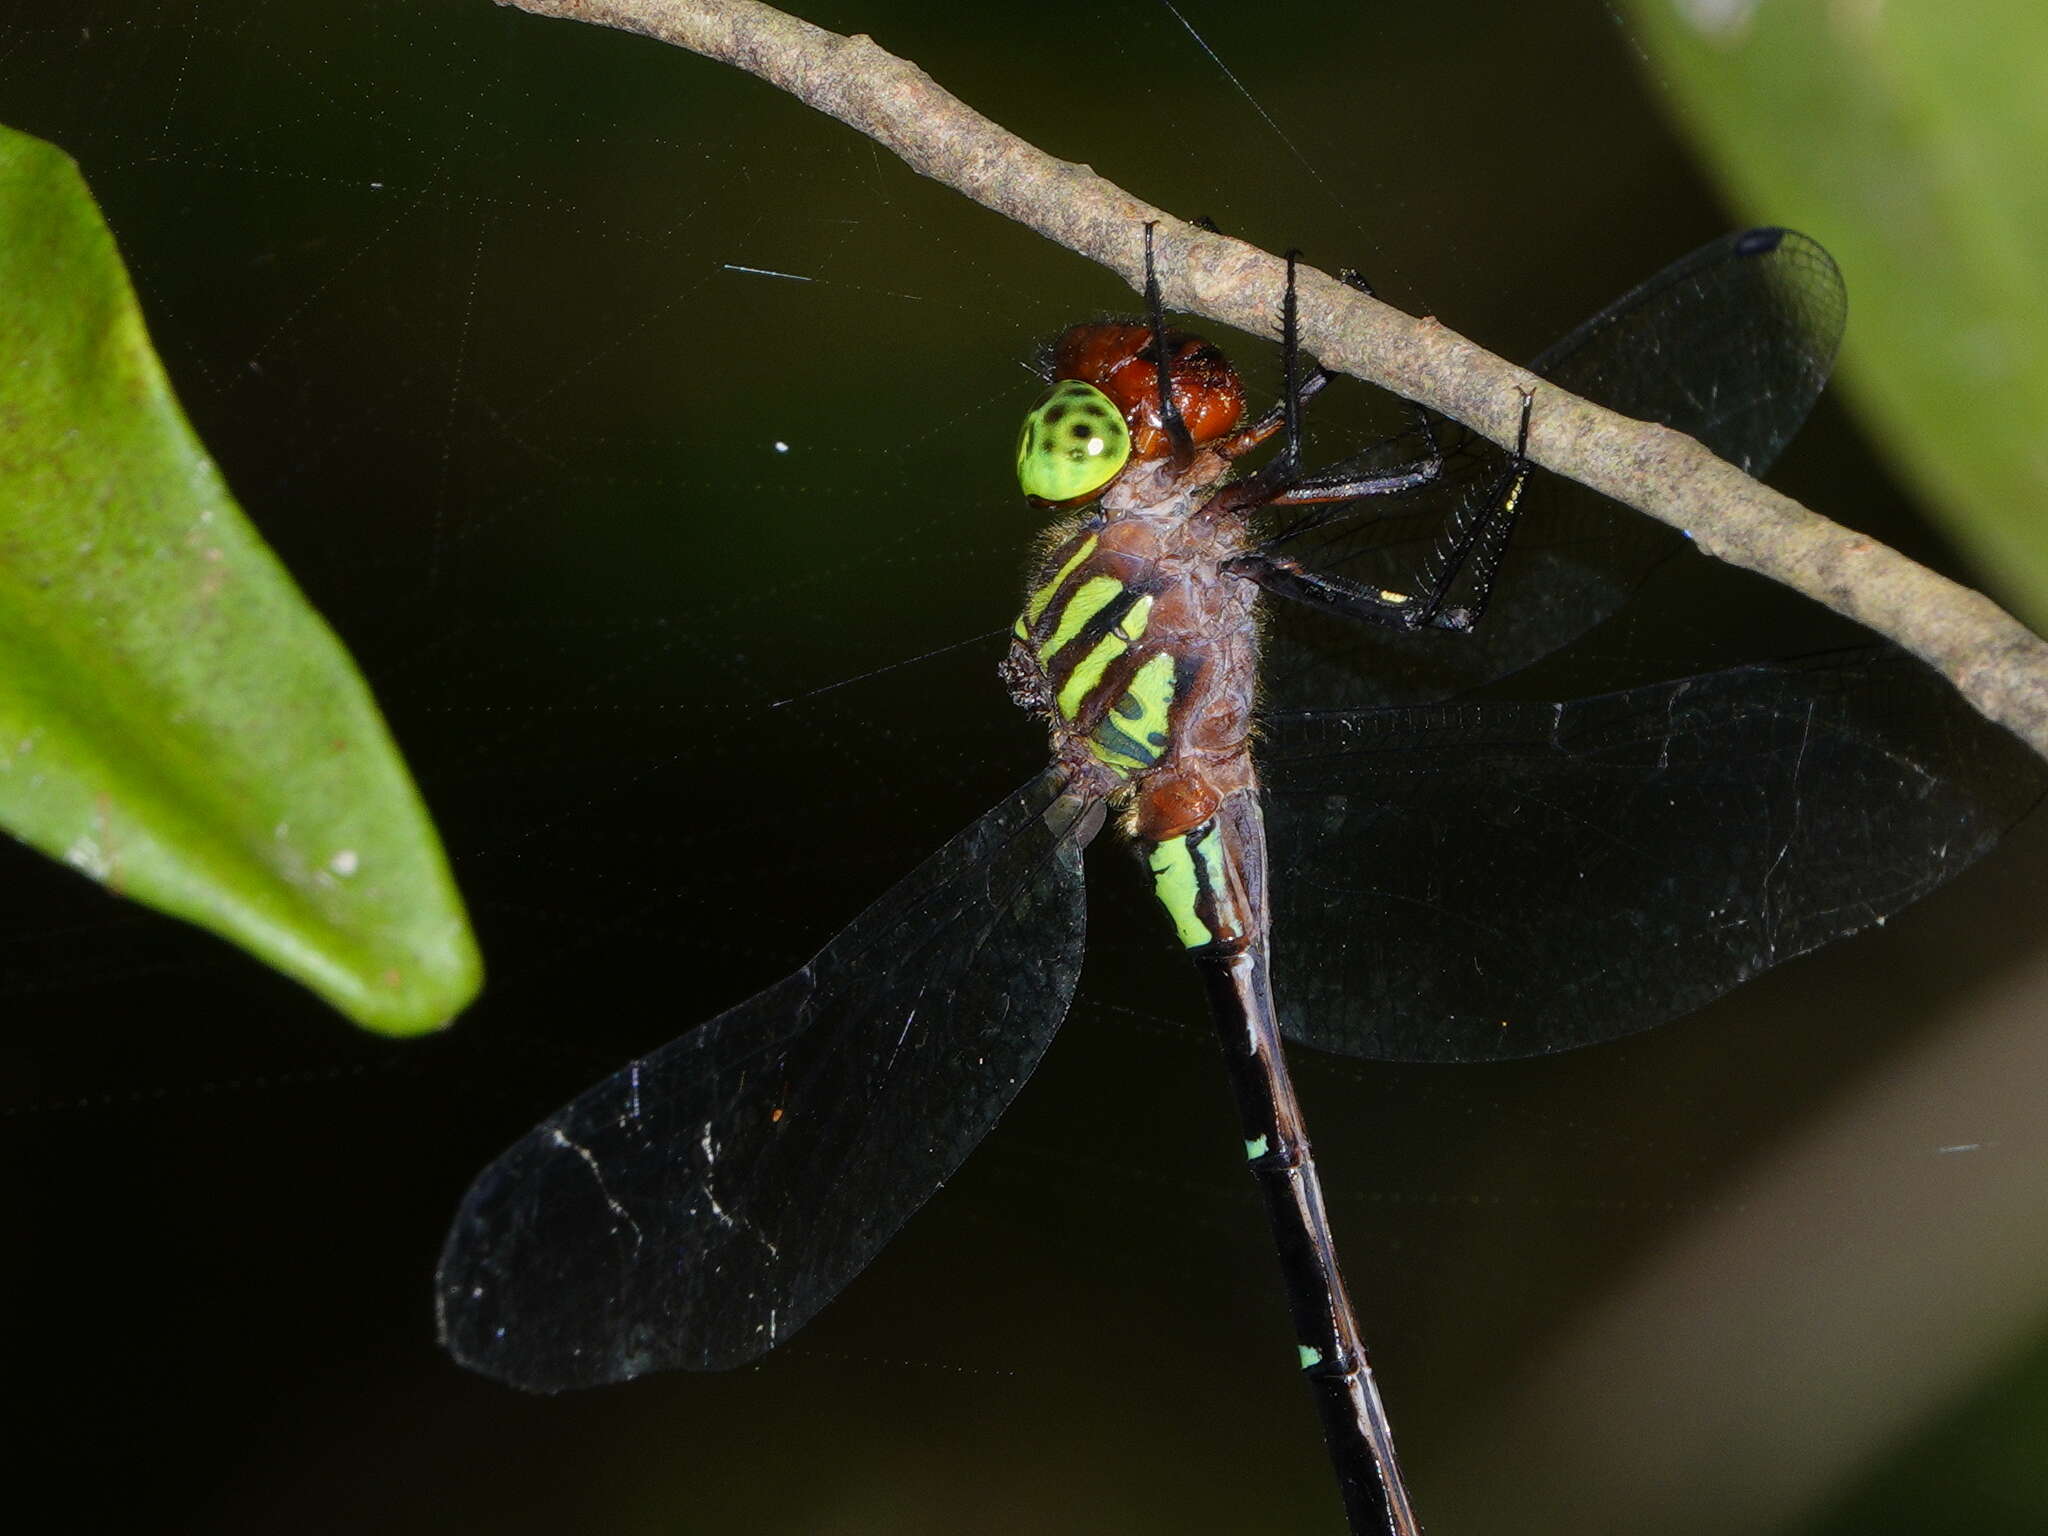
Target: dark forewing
column 1731, row 344
column 702, row 1203
column 1467, row 881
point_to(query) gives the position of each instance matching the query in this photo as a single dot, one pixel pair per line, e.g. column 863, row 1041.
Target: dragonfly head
column 1102, row 412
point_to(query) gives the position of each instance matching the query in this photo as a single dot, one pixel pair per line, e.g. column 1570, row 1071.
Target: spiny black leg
column 1155, row 309
column 1284, row 468
column 1484, row 547
column 1317, row 379
column 1340, row 483
column 1473, row 544
column 1283, row 577
column 1476, row 541
column 1281, row 483
column 1290, row 369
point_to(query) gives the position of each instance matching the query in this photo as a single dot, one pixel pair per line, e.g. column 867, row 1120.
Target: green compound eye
column 1073, row 443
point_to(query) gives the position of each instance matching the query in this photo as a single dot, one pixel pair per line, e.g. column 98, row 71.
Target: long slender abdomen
column 1211, row 880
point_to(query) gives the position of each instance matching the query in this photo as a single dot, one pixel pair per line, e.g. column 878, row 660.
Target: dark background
column 450, row 292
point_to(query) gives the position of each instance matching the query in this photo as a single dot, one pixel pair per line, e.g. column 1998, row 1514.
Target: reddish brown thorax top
column 1109, row 355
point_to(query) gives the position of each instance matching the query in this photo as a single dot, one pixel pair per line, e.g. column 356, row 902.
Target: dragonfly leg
column 1477, row 542
column 1284, row 468
column 1471, row 546
column 1281, row 482
column 1155, row 310
column 1283, row 577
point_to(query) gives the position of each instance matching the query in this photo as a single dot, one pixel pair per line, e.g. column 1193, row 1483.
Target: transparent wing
column 703, row 1203
column 1468, row 881
column 1732, row 344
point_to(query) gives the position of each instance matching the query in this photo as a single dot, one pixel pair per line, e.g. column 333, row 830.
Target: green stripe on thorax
column 1089, row 599
column 1135, row 732
column 1087, row 675
column 1042, row 597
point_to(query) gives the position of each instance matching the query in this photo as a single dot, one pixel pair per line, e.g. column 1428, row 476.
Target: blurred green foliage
column 1909, row 138
column 175, row 721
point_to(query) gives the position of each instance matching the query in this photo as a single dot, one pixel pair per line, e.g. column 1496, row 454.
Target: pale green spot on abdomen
column 1180, row 875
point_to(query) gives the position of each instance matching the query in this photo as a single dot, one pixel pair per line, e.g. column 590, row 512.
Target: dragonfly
column 1364, row 844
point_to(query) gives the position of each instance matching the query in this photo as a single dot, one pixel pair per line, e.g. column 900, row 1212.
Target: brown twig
column 1994, row 661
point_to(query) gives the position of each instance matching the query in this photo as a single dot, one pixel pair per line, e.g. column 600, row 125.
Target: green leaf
column 1910, row 139
column 175, row 721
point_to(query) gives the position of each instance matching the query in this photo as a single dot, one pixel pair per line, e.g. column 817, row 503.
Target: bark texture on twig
column 1996, row 663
